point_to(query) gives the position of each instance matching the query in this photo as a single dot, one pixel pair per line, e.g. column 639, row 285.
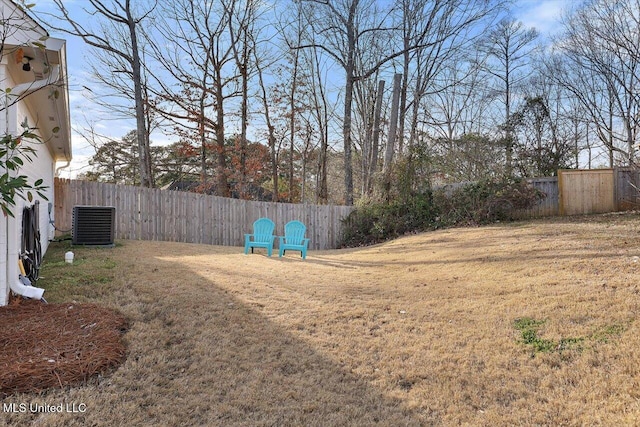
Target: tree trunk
column 403, row 93
column 323, row 120
column 292, row 120
column 346, row 132
column 348, row 102
column 144, row 150
column 375, row 142
column 222, row 184
column 203, row 149
column 243, row 128
column 272, row 138
column 393, row 128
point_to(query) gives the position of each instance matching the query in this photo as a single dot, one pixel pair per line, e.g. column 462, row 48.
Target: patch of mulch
column 54, row 345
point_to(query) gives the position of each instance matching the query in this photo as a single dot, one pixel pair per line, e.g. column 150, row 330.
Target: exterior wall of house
column 43, row 166
column 49, row 114
column 6, row 223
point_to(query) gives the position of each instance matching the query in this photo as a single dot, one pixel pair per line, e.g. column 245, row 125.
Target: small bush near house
column 13, row 155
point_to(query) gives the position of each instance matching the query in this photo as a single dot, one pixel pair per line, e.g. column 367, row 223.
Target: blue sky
column 543, row 15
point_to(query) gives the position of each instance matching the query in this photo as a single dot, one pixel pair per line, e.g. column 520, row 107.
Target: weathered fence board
column 627, row 181
column 547, row 206
column 585, row 192
column 153, row 214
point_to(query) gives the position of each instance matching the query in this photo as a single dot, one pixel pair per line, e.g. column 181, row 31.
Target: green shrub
column 374, row 222
column 484, row 202
column 476, row 203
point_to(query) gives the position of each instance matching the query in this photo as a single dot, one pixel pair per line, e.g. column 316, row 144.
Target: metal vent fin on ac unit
column 93, row 225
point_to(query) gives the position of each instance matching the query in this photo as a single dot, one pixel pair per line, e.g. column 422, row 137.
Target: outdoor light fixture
column 26, row 64
column 23, row 59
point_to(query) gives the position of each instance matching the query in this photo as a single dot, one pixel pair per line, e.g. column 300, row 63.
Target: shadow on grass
column 200, row 356
column 254, row 371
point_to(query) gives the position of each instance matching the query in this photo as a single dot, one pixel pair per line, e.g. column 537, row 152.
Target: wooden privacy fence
column 154, row 214
column 578, row 192
column 598, row 190
column 585, row 192
column 548, row 206
column 176, row 216
column 627, row 188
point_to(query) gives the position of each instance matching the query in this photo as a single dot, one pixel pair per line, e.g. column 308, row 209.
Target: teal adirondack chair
column 294, row 239
column 262, row 236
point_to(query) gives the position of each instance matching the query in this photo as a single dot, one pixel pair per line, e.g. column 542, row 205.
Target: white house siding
column 7, row 225
column 43, row 167
column 49, row 114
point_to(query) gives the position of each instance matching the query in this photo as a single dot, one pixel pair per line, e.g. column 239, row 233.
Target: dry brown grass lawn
column 417, row 331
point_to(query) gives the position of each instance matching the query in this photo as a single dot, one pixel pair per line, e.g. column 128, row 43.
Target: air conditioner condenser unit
column 94, row 225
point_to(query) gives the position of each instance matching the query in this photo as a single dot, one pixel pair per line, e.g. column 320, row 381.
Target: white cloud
column 544, row 15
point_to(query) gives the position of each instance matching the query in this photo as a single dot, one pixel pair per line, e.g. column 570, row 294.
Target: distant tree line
column 271, row 94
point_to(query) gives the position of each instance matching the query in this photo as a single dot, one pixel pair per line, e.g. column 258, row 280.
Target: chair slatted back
column 294, row 232
column 263, row 230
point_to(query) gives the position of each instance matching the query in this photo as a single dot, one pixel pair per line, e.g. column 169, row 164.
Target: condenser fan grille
column 93, row 225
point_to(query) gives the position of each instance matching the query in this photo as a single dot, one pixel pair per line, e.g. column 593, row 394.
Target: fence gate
column 586, row 191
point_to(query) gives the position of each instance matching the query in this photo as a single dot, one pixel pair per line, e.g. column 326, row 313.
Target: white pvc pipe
column 26, row 291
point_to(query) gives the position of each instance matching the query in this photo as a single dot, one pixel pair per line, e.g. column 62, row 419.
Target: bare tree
column 371, row 144
column 393, row 125
column 436, row 36
column 549, row 125
column 293, row 37
column 242, row 16
column 272, row 140
column 599, row 63
column 309, row 110
column 346, row 29
column 199, row 75
column 320, row 112
column 349, row 28
column 460, row 102
column 116, row 32
column 508, row 47
column 594, row 98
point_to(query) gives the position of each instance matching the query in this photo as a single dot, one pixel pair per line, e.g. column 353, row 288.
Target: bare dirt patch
column 424, row 330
